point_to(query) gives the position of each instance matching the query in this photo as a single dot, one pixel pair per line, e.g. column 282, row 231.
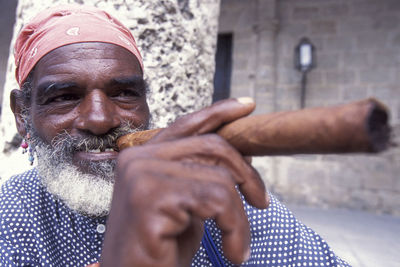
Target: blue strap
column 211, row 249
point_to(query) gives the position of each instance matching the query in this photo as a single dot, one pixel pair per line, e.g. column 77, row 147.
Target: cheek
column 139, row 116
column 49, row 126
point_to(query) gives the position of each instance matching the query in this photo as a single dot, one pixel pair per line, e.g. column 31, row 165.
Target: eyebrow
column 52, row 87
column 132, row 80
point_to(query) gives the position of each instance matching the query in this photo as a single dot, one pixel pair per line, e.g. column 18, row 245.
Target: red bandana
column 62, row 25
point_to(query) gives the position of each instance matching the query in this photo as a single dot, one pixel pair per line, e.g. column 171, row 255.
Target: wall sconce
column 304, row 61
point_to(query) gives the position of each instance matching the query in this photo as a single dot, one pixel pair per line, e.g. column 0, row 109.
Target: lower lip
column 87, row 156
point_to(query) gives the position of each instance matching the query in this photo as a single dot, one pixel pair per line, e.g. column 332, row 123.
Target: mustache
column 100, row 143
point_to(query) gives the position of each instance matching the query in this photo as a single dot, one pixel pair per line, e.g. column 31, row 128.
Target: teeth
column 100, row 150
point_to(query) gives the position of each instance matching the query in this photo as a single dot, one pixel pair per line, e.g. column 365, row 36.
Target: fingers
column 171, row 201
column 209, row 150
column 207, row 120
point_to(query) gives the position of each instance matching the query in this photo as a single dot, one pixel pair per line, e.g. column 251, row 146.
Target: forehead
column 86, row 59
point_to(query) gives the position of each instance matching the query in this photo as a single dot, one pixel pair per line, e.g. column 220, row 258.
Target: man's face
column 84, row 96
column 85, row 90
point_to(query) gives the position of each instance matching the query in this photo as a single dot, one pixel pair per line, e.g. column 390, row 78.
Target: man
column 185, row 198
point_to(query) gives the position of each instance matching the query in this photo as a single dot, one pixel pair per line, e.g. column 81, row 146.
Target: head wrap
column 62, row 25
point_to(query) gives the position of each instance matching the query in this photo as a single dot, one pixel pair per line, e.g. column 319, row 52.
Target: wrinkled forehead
column 94, row 61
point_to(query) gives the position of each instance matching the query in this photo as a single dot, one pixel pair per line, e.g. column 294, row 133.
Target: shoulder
column 19, row 186
column 278, row 238
column 16, row 210
column 20, row 194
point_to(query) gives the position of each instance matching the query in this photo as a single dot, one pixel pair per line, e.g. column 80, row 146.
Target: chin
column 85, row 187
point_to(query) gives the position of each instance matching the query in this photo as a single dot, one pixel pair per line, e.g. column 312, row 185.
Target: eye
column 128, row 93
column 62, row 98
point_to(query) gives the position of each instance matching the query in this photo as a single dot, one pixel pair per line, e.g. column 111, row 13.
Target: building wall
column 7, row 20
column 358, row 54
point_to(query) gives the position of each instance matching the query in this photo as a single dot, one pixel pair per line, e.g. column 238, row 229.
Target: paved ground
column 361, row 238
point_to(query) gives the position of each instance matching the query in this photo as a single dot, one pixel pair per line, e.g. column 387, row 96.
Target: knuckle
column 222, row 194
column 215, row 140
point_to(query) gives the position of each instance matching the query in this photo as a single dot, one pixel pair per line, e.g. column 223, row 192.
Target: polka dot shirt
column 36, row 229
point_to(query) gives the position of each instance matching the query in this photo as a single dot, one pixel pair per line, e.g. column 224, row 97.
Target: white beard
column 85, row 193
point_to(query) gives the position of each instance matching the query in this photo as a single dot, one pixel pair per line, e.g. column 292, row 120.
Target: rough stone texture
column 177, row 39
column 357, row 48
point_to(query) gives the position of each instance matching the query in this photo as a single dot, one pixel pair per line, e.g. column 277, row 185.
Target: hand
column 166, row 189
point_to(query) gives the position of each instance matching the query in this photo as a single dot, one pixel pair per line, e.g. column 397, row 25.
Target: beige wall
column 358, row 55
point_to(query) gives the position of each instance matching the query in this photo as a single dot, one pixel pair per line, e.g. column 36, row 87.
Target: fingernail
column 247, row 254
column 245, row 100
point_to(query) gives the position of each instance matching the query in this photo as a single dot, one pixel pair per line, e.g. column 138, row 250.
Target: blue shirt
column 36, row 229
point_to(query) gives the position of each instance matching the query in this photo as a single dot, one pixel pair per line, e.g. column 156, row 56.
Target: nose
column 97, row 114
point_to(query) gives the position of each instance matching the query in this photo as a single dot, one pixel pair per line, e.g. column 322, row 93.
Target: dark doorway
column 223, row 67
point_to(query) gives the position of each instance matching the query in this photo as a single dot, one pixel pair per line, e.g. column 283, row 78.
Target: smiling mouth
column 96, row 147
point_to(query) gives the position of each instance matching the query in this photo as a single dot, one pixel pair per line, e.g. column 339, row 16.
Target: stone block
column 394, row 42
column 266, row 43
column 240, row 76
column 264, row 102
column 392, row 5
column 377, row 76
column 378, row 177
column 292, row 103
column 266, row 59
column 297, row 29
column 305, row 12
column 385, row 92
column 350, row 93
column 289, row 76
column 265, row 72
column 372, row 41
column 366, row 8
column 351, row 26
column 337, row 10
column 321, row 93
column 340, row 77
column 315, row 77
column 363, row 200
column 324, row 27
column 266, row 9
column 385, row 59
column 390, row 202
column 241, row 63
column 327, row 60
column 244, row 47
column 345, row 175
column 338, row 44
column 238, row 90
column 286, row 62
column 354, row 59
column 244, row 36
column 386, row 22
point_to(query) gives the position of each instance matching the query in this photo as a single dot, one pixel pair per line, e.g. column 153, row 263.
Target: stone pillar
column 177, row 39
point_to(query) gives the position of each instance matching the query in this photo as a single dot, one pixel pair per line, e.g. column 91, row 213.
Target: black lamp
column 304, row 61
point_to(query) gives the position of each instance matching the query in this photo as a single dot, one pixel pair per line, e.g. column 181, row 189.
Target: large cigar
column 356, row 127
